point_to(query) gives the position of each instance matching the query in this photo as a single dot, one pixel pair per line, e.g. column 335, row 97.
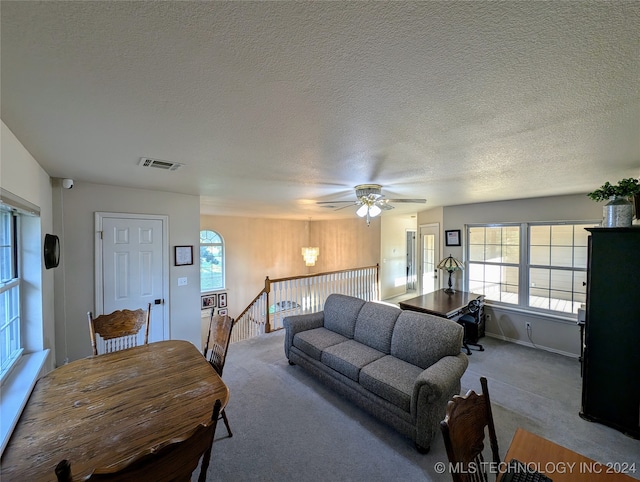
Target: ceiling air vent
column 159, row 164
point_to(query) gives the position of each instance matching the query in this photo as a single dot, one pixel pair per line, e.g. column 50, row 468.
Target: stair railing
column 297, row 295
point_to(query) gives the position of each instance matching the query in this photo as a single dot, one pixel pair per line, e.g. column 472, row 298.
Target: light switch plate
column 182, row 281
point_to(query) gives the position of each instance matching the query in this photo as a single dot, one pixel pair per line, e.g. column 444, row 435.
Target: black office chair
column 471, row 324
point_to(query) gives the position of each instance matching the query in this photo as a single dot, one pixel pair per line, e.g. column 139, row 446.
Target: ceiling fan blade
column 347, row 206
column 420, row 201
column 385, row 206
column 335, row 202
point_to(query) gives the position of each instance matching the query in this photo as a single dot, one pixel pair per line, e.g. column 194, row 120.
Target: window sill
column 16, row 390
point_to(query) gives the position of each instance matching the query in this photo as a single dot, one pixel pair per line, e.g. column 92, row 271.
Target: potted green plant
column 618, row 211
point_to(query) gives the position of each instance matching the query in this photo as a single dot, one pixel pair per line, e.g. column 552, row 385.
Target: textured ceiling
column 272, row 106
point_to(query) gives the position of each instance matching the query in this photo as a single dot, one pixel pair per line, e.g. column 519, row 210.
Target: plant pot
column 617, row 213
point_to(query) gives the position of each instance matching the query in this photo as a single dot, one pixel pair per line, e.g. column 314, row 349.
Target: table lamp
column 450, row 264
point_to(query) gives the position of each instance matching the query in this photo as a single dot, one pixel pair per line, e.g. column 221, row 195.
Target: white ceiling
column 273, row 106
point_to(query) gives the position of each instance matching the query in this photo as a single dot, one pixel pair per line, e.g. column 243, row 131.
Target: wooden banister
column 300, row 294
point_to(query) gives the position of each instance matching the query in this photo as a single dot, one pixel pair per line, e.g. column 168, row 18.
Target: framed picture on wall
column 222, row 300
column 452, row 237
column 222, row 311
column 208, row 301
column 183, row 255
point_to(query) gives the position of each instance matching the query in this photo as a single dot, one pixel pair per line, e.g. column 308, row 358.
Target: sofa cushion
column 349, row 357
column 313, row 342
column 340, row 313
column 391, row 379
column 374, row 325
column 422, row 339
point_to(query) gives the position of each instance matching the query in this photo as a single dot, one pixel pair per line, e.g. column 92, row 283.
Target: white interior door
column 429, row 257
column 132, row 267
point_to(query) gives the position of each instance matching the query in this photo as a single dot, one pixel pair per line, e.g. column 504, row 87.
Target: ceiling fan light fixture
column 374, row 211
column 365, row 190
column 362, row 210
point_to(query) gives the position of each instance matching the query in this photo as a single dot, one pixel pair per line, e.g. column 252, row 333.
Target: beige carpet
column 289, row 427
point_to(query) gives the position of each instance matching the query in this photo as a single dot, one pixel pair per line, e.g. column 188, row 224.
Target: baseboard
column 531, row 345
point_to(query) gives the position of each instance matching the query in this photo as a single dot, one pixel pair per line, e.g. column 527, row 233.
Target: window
column 211, row 261
column 494, row 262
column 539, row 266
column 558, row 266
column 10, row 342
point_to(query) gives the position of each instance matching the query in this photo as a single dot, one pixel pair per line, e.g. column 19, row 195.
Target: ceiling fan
column 371, row 201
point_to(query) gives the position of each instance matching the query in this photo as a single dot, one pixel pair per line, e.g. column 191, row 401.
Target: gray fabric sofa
column 401, row 366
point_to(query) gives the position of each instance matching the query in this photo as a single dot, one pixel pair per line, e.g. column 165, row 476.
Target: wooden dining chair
column 463, row 431
column 173, row 461
column 118, row 330
column 216, row 347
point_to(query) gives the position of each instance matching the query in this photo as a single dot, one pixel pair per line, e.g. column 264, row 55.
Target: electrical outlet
column 528, row 325
column 488, row 316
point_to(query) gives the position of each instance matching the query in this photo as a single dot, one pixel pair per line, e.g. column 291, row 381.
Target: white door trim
column 420, row 248
column 99, row 291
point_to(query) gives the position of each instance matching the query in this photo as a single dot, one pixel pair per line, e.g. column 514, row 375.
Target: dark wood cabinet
column 611, row 360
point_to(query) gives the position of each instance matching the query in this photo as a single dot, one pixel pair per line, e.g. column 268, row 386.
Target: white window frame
column 518, row 265
column 576, row 297
column 11, row 346
column 222, row 260
column 525, row 266
column 19, row 380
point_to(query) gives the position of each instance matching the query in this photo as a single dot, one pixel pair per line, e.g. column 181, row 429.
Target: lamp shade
column 451, row 264
column 362, row 210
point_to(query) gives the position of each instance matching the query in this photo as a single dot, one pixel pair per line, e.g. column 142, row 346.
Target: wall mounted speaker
column 51, row 251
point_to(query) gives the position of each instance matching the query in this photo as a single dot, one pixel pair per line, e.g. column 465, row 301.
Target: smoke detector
column 159, row 164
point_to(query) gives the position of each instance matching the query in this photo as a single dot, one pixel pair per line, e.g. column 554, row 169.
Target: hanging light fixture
column 310, row 255
column 450, row 264
column 369, row 196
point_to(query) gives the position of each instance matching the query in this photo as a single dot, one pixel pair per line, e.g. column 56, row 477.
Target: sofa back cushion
column 341, row 312
column 374, row 325
column 422, row 339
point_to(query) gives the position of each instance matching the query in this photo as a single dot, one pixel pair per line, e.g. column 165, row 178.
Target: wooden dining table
column 564, row 465
column 104, row 411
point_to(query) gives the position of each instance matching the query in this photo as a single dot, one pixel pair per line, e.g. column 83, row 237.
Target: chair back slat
column 463, row 431
column 175, row 460
column 218, row 338
column 119, row 330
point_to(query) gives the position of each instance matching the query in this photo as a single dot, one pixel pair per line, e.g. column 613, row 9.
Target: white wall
column 560, row 334
column 21, row 175
column 75, row 285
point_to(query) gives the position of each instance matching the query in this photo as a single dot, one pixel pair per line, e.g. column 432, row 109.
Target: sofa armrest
column 439, row 379
column 297, row 323
column 434, row 387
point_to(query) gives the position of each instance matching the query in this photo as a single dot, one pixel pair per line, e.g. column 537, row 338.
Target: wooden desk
column 561, row 464
column 440, row 303
column 103, row 410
